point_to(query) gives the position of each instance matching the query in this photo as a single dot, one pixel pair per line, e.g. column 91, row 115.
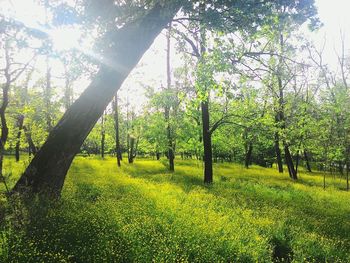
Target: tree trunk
column 4, row 127
column 131, row 150
column 208, row 162
column 167, row 107
column 248, row 157
column 297, row 163
column 278, row 153
column 20, row 120
column 32, row 149
column 347, row 176
column 3, row 138
column 289, row 163
column 103, row 136
column 47, row 171
column 116, row 127
column 308, row 166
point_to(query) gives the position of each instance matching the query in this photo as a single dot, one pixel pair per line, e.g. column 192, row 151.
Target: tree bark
column 208, row 162
column 47, row 171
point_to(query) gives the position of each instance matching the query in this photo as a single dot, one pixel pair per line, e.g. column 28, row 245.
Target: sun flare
column 65, row 38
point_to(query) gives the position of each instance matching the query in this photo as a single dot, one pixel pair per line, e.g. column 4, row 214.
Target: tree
column 47, row 170
column 221, row 17
column 116, row 128
column 171, row 154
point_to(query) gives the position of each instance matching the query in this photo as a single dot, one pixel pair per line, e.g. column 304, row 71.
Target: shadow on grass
column 260, row 190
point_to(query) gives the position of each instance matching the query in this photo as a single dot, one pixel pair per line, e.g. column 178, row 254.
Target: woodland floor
column 143, row 213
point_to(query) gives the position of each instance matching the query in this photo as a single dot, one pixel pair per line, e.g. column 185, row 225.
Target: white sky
column 334, row 14
column 152, row 68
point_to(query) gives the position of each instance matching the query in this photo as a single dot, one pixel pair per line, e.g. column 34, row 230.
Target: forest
column 172, row 131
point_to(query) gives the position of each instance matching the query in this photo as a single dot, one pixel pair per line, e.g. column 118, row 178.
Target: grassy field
column 142, row 213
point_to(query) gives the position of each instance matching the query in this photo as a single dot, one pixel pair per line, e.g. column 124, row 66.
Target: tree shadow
column 261, row 191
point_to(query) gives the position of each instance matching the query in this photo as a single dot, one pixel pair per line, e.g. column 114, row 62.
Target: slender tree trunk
column 347, row 176
column 48, row 169
column 278, row 153
column 116, row 127
column 171, row 155
column 131, row 151
column 5, row 101
column 308, row 166
column 20, row 121
column 208, row 162
column 248, row 157
column 297, row 163
column 289, row 163
column 341, row 168
column 4, row 127
column 170, row 140
column 3, row 138
column 32, row 149
column 103, row 136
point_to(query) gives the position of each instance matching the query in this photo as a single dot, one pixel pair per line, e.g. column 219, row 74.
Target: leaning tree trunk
column 47, row 171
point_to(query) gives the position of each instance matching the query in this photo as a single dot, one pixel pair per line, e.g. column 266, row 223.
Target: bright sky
column 334, row 14
column 152, row 69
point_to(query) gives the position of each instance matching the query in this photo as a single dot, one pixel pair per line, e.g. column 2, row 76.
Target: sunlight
column 65, row 38
column 34, row 16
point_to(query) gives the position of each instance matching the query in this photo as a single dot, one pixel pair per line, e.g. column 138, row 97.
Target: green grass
column 142, row 213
